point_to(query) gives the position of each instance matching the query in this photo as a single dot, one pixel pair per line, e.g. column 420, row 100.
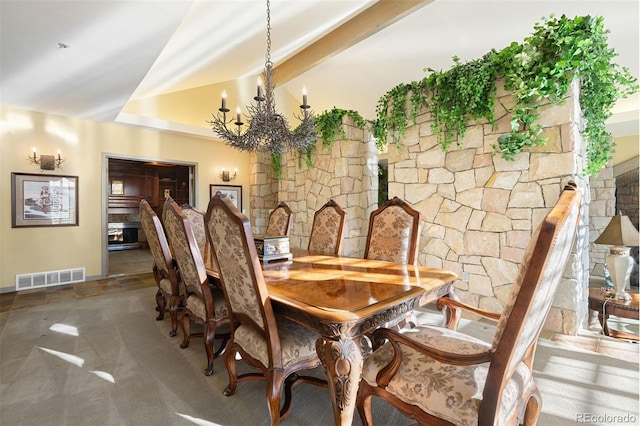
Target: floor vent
column 48, row 279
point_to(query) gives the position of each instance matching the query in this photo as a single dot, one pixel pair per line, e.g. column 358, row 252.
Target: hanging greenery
column 540, row 69
column 276, row 165
column 329, row 127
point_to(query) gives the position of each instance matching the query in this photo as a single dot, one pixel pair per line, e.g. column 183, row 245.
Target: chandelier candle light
column 268, row 130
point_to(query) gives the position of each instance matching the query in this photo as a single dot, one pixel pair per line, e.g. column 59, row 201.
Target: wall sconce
column 46, row 162
column 226, row 175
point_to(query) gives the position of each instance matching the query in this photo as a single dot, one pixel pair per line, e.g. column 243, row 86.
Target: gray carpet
column 126, row 370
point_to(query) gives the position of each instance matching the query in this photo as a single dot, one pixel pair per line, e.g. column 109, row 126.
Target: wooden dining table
column 344, row 299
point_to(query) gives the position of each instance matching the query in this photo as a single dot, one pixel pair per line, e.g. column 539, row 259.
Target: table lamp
column 620, row 234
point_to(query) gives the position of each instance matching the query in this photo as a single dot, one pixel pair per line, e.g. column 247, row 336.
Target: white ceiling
column 122, row 50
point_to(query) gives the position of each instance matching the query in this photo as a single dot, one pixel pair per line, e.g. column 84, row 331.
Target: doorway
column 128, row 182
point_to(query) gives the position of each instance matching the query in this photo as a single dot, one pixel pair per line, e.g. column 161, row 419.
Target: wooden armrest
column 455, row 304
column 395, row 338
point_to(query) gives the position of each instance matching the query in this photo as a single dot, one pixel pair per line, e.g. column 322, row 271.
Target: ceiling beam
column 373, row 19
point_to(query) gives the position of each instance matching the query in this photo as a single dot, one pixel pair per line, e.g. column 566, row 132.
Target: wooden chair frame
column 164, row 267
column 275, row 374
column 504, row 357
column 211, row 323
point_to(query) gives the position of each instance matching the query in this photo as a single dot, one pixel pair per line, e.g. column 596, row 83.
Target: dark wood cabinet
column 151, row 181
column 132, row 181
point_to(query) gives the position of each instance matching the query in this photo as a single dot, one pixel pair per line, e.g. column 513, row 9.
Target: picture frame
column 233, row 192
column 117, row 187
column 43, row 200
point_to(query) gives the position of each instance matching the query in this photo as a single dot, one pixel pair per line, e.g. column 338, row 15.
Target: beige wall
column 85, row 144
column 627, row 147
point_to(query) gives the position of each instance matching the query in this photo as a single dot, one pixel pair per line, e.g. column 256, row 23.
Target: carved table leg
column 343, row 360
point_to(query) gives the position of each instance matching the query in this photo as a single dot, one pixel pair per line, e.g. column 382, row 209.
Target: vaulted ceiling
column 111, row 60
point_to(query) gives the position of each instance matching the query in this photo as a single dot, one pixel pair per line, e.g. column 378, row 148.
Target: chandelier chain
column 268, row 57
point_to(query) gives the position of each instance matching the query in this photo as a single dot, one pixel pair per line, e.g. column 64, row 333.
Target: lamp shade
column 619, row 232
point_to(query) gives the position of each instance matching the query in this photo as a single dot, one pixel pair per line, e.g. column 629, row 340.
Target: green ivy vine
column 541, row 68
column 329, row 127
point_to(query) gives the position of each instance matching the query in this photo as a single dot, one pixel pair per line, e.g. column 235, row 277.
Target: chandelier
column 268, row 130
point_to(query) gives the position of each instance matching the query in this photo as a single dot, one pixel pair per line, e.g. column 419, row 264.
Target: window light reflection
column 65, row 356
column 64, row 329
column 103, row 375
column 197, row 421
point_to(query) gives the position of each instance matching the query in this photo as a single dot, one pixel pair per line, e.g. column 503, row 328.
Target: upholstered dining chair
column 326, row 230
column 280, row 221
column 393, row 233
column 275, row 346
column 164, row 267
column 443, row 376
column 204, row 304
column 196, row 220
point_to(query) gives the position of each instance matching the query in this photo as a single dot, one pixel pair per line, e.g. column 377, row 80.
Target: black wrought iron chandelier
column 268, row 130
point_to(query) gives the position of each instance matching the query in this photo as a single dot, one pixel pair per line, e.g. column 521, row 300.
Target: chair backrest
column 280, row 221
column 157, row 240
column 393, row 233
column 196, row 220
column 185, row 248
column 241, row 273
column 326, row 230
column 532, row 294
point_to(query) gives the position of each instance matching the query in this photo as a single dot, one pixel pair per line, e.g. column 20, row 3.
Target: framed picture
column 117, row 187
column 43, row 200
column 233, row 192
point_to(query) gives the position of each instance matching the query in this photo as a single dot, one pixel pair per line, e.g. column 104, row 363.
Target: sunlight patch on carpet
column 198, row 421
column 64, row 329
column 65, row 356
column 103, row 375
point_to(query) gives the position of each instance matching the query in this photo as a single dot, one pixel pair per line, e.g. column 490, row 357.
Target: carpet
column 106, row 361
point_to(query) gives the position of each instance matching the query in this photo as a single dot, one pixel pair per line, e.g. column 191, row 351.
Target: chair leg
column 291, row 382
column 532, row 411
column 232, row 371
column 225, row 338
column 209, row 333
column 173, row 313
column 161, row 303
column 186, row 330
column 275, row 380
column 363, row 404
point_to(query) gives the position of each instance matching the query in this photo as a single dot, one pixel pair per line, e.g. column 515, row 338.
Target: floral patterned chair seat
column 326, row 231
column 442, row 376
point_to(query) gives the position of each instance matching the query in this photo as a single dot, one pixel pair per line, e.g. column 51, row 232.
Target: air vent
column 50, row 278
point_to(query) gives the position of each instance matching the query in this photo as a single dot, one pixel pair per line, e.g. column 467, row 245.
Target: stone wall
column 479, row 210
column 346, row 172
column 601, row 209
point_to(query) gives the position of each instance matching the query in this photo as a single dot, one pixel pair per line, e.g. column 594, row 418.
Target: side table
column 606, row 304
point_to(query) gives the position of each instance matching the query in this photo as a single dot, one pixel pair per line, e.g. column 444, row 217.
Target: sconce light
column 226, row 175
column 47, row 162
